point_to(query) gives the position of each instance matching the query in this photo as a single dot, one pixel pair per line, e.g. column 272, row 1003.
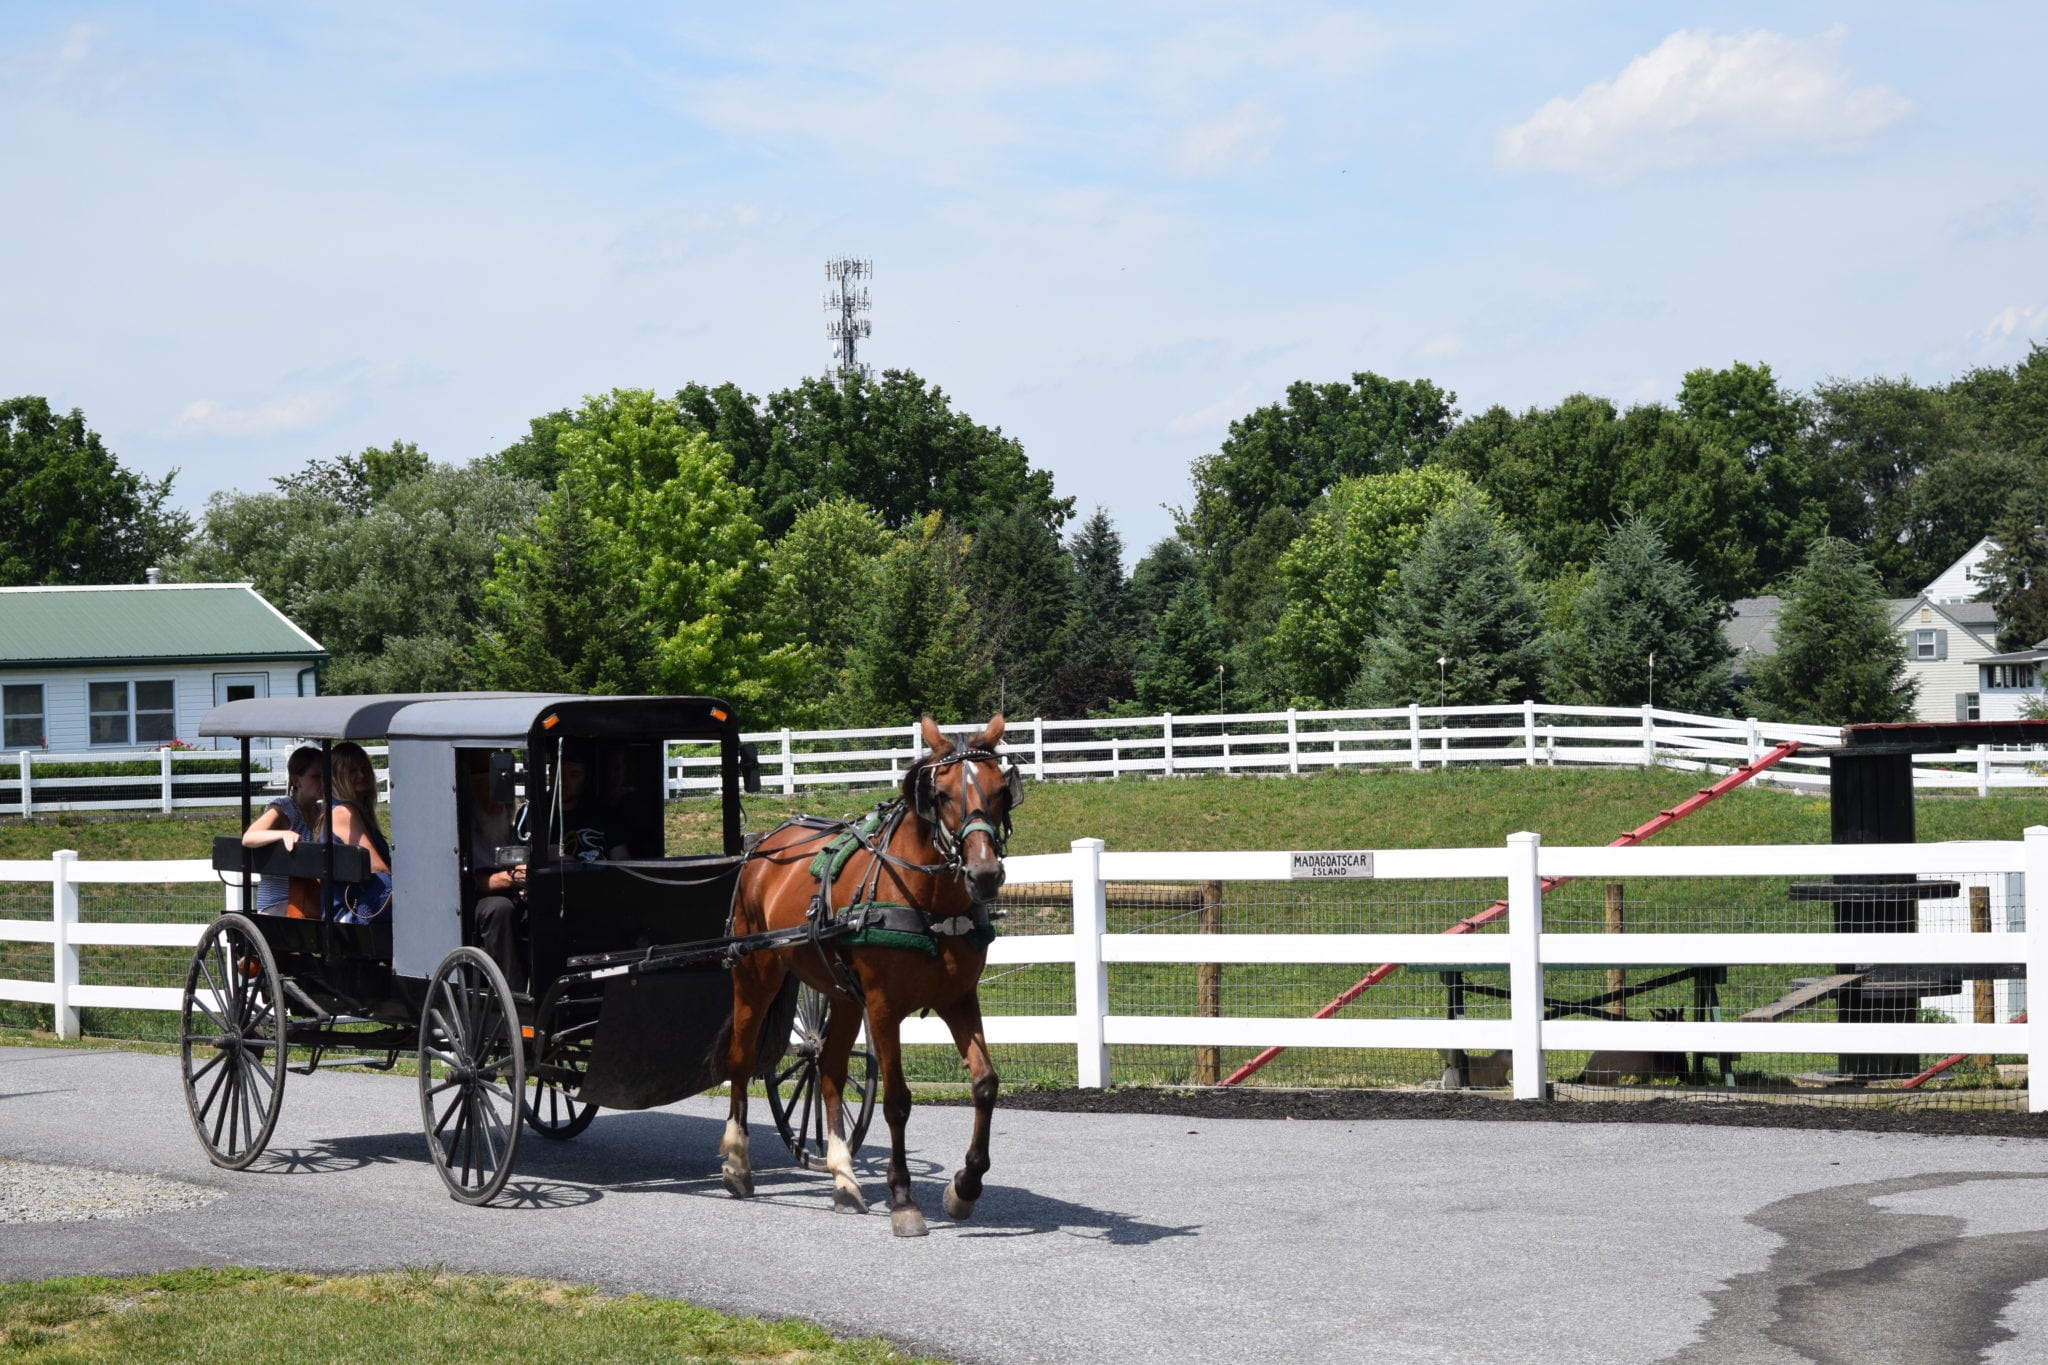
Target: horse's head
column 963, row 794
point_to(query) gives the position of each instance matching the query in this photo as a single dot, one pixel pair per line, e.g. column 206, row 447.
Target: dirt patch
column 1267, row 1103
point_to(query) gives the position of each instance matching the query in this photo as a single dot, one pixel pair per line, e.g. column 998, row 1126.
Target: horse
column 936, row 848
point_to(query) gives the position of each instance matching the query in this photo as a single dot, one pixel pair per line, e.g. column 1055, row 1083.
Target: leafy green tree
column 391, row 582
column 823, row 572
column 1463, row 598
column 537, row 456
column 74, row 514
column 1021, row 584
column 554, row 619
column 1640, row 603
column 919, row 650
column 895, row 444
column 1248, row 595
column 1346, row 559
column 1287, row 454
column 357, row 481
column 1156, row 581
column 1097, row 648
column 2015, row 572
column 680, row 537
column 1872, row 441
column 1746, row 413
column 1839, row 662
column 1179, row 672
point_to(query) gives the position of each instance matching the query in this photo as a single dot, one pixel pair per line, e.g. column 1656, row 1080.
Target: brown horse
column 939, row 851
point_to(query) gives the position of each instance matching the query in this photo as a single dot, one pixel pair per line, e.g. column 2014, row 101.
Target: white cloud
column 291, row 412
column 1231, row 142
column 1441, row 347
column 1703, row 97
column 2013, row 319
column 1212, row 415
column 679, row 239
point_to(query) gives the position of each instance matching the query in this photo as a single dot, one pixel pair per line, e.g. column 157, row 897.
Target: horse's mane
column 908, row 790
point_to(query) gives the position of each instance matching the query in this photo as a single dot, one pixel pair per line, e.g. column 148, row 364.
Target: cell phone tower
column 847, row 303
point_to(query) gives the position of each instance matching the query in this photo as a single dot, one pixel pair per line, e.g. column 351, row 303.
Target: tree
column 1872, row 440
column 675, row 537
column 1158, row 578
column 1097, row 648
column 74, row 515
column 1640, row 603
column 554, row 619
column 896, row 445
column 1021, row 584
column 1286, row 455
column 1462, row 598
column 1743, row 410
column 1179, row 672
column 537, row 456
column 2015, row 572
column 1839, row 662
column 823, row 576
column 919, row 651
column 391, row 581
column 1346, row 559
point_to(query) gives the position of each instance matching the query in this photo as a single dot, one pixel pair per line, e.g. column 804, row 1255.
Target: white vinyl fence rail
column 1522, row 863
column 1268, row 742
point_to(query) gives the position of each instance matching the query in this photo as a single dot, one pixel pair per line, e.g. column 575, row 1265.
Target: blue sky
column 242, row 235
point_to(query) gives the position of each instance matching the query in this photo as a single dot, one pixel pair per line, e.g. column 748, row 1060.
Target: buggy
column 624, row 951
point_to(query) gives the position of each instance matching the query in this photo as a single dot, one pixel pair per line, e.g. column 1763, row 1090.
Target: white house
column 2006, row 682
column 1945, row 641
column 1960, row 581
column 135, row 666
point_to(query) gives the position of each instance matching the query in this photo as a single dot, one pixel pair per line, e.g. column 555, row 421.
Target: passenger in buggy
column 585, row 830
column 501, row 891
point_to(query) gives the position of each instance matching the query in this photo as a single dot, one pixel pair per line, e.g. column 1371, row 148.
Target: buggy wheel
column 796, row 1098
column 472, row 1072
column 553, row 1111
column 231, row 1042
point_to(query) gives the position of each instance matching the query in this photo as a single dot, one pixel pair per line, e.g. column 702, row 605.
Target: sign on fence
column 1336, row 863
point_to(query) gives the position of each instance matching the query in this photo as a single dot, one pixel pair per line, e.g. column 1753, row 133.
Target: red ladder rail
column 1945, row 1063
column 1663, row 821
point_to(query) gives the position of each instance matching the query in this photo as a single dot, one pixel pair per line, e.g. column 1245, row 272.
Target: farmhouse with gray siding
column 136, row 666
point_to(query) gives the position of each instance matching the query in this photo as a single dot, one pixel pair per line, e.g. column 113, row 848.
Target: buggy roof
column 504, row 718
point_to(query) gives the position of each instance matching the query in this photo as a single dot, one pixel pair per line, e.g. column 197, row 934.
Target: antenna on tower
column 847, row 303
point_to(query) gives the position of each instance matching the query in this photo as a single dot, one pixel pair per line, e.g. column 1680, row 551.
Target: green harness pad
column 831, row 860
column 902, row 926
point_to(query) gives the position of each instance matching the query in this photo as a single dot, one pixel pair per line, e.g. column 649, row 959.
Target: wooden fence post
column 1091, row 979
column 1617, row 979
column 1209, row 986
column 63, row 918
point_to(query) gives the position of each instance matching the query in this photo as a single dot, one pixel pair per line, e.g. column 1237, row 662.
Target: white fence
column 1269, row 742
column 1525, row 949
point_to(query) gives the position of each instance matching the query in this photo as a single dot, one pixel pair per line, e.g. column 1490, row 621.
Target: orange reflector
column 526, row 1030
column 717, row 714
column 549, row 722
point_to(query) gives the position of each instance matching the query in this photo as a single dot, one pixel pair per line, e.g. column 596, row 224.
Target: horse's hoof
column 848, row 1201
column 957, row 1209
column 907, row 1223
column 739, row 1184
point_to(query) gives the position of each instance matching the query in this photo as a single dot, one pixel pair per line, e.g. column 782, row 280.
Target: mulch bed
column 1268, row 1103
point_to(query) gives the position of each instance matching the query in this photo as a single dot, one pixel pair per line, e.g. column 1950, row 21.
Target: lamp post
column 1652, row 699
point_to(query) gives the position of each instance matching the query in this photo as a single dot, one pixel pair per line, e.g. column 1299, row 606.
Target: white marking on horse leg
column 738, row 1176
column 846, row 1195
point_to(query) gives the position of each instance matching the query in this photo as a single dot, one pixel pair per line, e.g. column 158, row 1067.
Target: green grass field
column 238, row 1315
column 1352, row 809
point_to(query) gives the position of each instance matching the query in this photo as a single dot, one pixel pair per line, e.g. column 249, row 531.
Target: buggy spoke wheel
column 231, row 1042
column 472, row 1069
column 552, row 1104
column 796, row 1095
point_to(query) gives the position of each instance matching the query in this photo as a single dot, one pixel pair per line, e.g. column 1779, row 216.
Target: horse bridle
column 951, row 843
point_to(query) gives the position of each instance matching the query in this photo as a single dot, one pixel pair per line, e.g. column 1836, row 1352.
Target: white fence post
column 164, row 763
column 1415, row 735
column 64, row 915
column 788, row 764
column 27, row 806
column 1166, row 731
column 2037, row 962
column 1756, row 739
column 1293, row 744
column 1038, row 747
column 1116, row 754
column 1529, row 732
column 1525, row 965
column 1091, row 981
column 1983, row 770
column 1649, row 738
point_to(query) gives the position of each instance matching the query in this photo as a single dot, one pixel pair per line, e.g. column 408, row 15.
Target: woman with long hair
column 286, row 820
column 353, row 820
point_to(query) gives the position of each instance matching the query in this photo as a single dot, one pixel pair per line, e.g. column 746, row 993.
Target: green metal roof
column 58, row 627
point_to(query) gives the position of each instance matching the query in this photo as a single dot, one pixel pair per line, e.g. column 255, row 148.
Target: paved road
column 1118, row 1238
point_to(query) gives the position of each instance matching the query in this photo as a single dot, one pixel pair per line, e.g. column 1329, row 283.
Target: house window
column 1969, row 706
column 131, row 713
column 21, row 716
column 2011, row 675
column 1927, row 645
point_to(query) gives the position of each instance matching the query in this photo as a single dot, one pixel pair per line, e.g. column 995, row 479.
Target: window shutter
column 1963, row 705
column 1941, row 644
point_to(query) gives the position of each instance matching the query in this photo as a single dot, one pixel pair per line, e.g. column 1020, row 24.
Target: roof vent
column 152, row 576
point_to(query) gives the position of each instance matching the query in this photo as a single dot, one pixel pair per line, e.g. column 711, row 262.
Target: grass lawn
column 238, row 1315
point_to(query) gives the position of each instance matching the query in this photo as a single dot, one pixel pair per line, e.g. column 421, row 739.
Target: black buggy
column 624, row 948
